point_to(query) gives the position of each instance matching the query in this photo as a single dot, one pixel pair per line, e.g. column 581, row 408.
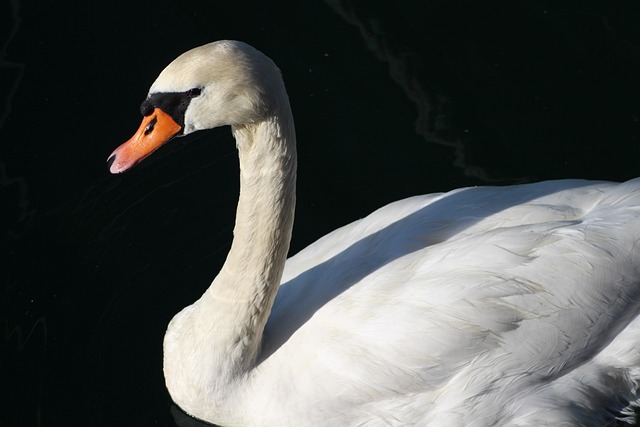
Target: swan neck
column 247, row 284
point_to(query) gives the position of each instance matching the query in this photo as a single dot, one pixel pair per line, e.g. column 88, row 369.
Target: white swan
column 478, row 307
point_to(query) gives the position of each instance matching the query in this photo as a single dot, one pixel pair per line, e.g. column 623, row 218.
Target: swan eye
column 150, row 126
column 175, row 104
column 192, row 93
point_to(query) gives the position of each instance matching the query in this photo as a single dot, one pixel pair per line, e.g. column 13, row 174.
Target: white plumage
column 478, row 307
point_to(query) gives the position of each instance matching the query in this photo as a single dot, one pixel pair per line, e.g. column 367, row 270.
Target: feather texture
column 514, row 306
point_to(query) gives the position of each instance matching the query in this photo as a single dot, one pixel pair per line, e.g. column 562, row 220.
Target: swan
column 481, row 306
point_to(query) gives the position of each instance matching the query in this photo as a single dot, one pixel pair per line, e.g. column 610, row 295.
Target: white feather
column 478, row 307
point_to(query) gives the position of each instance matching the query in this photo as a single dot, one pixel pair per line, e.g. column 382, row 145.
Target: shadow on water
column 436, row 222
column 182, row 419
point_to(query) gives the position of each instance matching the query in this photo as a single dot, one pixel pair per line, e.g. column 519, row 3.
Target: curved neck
column 241, row 296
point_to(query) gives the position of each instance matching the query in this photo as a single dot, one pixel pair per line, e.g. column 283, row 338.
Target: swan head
column 220, row 83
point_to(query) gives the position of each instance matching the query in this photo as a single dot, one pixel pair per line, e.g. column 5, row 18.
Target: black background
column 391, row 99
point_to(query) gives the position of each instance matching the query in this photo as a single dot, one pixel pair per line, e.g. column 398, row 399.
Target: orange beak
column 156, row 129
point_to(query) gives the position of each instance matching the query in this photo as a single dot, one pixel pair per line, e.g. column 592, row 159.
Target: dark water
column 391, row 99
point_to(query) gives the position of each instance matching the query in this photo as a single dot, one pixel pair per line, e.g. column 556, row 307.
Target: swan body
column 478, row 307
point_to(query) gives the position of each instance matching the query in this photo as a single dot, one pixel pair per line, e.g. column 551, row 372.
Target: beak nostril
column 151, row 125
